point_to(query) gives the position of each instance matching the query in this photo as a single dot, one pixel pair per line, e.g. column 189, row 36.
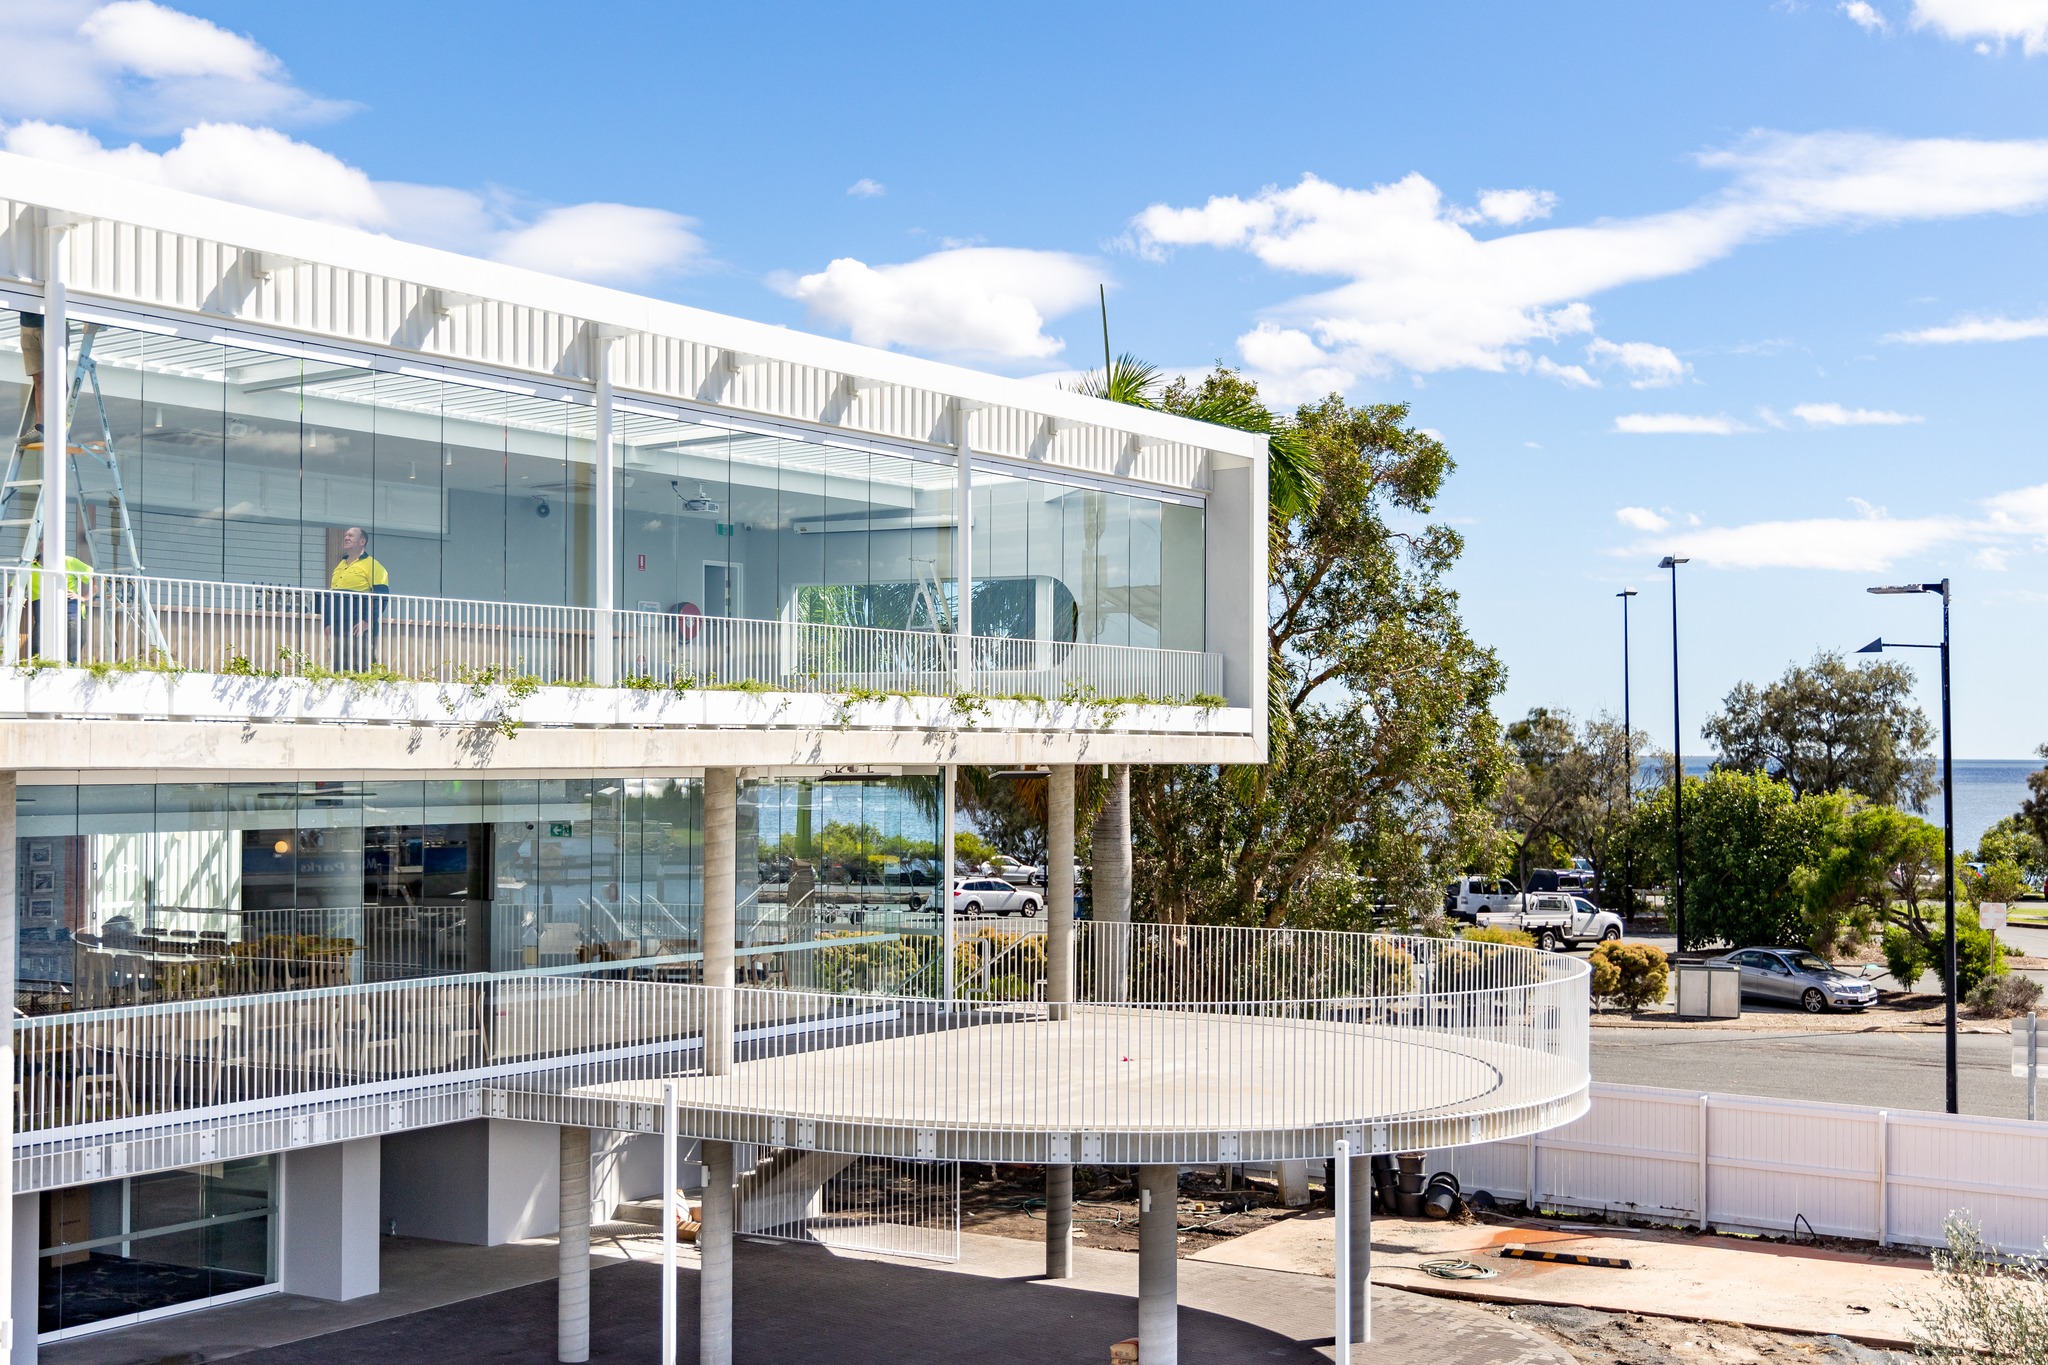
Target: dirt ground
column 1597, row 1338
column 1009, row 1201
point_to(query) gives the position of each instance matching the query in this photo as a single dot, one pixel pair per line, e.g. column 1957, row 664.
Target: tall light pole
column 1628, row 753
column 1672, row 562
column 1948, row 818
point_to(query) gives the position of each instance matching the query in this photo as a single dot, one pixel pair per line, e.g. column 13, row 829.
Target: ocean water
column 1987, row 790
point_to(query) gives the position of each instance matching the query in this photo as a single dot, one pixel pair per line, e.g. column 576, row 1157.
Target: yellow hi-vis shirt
column 359, row 576
column 76, row 572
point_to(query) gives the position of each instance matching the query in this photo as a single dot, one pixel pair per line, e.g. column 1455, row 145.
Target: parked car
column 1799, row 976
column 1013, row 871
column 992, row 896
column 1466, row 898
column 1555, row 921
column 1572, row 881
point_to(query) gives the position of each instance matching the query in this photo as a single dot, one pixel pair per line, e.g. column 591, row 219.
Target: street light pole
column 1672, row 562
column 1948, row 822
column 1628, row 756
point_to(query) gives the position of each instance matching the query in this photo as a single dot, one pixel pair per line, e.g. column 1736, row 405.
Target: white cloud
column 1999, row 21
column 967, row 301
column 1571, row 376
column 1647, row 365
column 865, row 188
column 1675, row 424
column 1835, row 415
column 611, row 243
column 259, row 166
column 1507, row 207
column 603, row 242
column 1641, row 519
column 1865, row 16
column 1975, row 329
column 1415, row 289
column 1870, row 541
column 144, row 67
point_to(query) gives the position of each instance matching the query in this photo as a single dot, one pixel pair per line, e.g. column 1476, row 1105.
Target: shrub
column 2003, row 997
column 1977, row 953
column 1633, row 974
column 1514, row 938
column 1905, row 956
column 1391, row 968
column 1985, row 1306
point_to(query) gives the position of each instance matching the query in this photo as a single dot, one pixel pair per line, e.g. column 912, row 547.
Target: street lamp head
column 1874, row 647
column 1673, row 561
column 1899, row 589
column 1626, row 592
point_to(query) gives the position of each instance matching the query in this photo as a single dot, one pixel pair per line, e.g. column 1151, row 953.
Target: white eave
column 273, row 243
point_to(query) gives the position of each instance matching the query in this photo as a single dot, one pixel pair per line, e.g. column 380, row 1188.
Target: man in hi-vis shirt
column 354, row 606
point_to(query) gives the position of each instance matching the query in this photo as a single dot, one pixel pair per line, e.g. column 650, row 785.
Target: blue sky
column 1758, row 283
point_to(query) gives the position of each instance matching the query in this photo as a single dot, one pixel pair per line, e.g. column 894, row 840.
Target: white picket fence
column 1743, row 1163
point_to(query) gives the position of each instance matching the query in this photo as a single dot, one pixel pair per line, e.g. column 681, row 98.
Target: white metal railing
column 245, row 628
column 1315, row 1029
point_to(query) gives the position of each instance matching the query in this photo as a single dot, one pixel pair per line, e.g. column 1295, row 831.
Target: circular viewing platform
column 1212, row 1045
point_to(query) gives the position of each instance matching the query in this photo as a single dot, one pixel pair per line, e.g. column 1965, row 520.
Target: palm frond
column 1130, row 380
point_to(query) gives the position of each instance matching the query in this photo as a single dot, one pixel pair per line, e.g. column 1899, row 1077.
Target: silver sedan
column 1799, row 976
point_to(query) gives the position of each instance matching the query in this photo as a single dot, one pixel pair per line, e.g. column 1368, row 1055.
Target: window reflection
column 242, row 465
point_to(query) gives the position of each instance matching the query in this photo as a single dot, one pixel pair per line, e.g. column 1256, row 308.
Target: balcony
column 137, row 624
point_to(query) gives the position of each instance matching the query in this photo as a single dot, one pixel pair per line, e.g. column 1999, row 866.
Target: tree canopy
column 1384, row 746
column 1832, row 727
column 1568, row 787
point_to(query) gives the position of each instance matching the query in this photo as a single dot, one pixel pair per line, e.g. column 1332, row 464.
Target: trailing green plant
column 1208, row 701
column 36, row 665
column 752, row 686
column 239, row 666
column 968, row 707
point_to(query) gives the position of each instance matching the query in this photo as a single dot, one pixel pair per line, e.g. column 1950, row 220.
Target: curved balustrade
column 1185, row 1044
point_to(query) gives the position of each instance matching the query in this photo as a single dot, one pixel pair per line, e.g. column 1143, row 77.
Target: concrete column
column 1059, row 1222
column 1059, row 888
column 947, row 873
column 714, row 1246
column 1292, row 1177
column 328, row 1246
column 54, row 496
column 721, row 911
column 572, row 1250
column 9, row 951
column 1110, row 904
column 1361, row 1248
column 1158, row 1265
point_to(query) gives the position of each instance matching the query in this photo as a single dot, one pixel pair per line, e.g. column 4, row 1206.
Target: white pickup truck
column 1554, row 920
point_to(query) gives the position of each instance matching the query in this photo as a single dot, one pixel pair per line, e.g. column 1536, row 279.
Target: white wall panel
column 1781, row 1166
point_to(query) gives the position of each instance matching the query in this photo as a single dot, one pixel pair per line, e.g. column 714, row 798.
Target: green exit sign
column 560, row 829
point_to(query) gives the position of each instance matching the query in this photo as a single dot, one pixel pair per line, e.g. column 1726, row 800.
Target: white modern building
column 338, row 912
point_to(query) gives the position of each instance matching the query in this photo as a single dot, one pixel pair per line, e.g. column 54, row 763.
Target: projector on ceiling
column 700, row 504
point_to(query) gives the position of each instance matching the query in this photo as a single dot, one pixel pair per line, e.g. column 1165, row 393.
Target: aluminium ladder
column 106, row 558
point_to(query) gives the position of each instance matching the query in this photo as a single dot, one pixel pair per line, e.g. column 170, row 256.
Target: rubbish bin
column 1708, row 990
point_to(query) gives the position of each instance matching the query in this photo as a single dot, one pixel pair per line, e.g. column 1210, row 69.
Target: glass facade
column 148, row 1242
column 247, row 466
column 133, row 893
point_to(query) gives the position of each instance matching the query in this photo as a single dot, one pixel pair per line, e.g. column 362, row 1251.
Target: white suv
column 992, row 895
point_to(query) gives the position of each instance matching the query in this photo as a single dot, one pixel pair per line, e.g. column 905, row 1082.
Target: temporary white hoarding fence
column 1743, row 1163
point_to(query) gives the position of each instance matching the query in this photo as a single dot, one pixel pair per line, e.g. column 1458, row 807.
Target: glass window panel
column 1183, row 574
column 474, row 433
column 1142, row 583
column 800, row 525
column 540, row 503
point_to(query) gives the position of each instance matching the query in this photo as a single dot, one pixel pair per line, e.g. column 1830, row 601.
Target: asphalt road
column 1890, row 1070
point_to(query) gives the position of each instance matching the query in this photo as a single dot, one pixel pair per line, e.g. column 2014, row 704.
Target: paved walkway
column 1771, row 1285
column 799, row 1304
